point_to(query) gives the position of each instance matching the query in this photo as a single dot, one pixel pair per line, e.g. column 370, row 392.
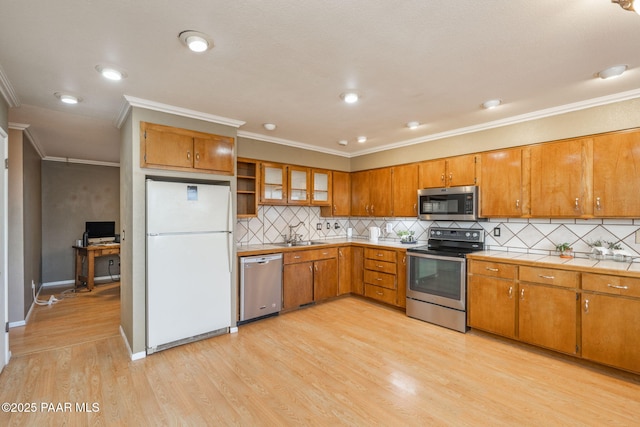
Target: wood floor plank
column 345, row 362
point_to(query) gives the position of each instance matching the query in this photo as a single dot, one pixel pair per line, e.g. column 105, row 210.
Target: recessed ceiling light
column 612, row 72
column 362, row 139
column 196, row 41
column 343, row 142
column 350, row 97
column 111, row 73
column 66, row 98
column 413, row 125
column 492, row 103
column 269, row 126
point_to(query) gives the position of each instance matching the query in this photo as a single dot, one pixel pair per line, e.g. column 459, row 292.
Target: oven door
column 437, row 279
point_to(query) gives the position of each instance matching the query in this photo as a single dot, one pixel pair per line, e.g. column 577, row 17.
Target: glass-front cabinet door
column 273, row 184
column 298, row 185
column 320, row 187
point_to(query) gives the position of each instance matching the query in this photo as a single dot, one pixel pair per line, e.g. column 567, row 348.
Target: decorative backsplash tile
column 516, row 234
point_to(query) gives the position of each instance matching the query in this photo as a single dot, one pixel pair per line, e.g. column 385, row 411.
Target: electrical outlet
column 319, row 226
column 496, row 231
column 110, row 262
column 336, row 226
column 328, row 225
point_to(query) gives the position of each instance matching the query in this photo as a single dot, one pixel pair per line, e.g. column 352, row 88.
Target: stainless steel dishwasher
column 260, row 286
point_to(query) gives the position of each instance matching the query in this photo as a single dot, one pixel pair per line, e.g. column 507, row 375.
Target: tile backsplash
column 536, row 235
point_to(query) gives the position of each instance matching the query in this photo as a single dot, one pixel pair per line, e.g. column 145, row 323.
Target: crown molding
column 170, row 109
column 540, row 114
column 81, row 161
column 290, row 143
column 6, row 89
column 30, row 137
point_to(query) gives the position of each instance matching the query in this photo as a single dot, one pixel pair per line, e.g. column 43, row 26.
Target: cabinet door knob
column 510, row 292
column 197, row 156
column 577, row 204
column 598, row 206
column 188, row 155
column 522, row 294
column 586, row 306
column 517, row 204
column 442, row 177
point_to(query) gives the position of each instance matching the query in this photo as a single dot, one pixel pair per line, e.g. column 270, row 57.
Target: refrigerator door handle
column 229, row 249
column 230, row 213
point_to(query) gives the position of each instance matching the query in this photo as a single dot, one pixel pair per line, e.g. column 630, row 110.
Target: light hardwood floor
column 345, row 362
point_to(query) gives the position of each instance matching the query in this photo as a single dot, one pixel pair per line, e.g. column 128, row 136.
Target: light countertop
column 553, row 261
column 244, row 250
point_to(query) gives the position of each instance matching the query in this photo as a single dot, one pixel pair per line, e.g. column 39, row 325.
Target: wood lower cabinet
column 344, row 269
column 380, row 280
column 357, row 270
column 492, row 302
column 610, row 314
column 547, row 317
column 297, row 285
column 310, row 275
column 588, row 315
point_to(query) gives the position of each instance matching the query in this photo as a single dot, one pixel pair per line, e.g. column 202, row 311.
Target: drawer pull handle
column 379, row 293
column 379, row 254
column 379, row 279
column 546, row 277
column 296, row 257
column 617, row 286
column 325, row 253
column 492, row 269
column 379, row 266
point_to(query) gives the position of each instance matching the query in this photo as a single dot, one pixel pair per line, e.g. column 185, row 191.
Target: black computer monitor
column 100, row 229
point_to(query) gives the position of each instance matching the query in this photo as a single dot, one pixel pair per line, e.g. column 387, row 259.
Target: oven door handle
column 444, row 258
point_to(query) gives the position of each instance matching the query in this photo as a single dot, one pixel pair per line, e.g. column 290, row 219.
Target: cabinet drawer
column 380, row 279
column 492, row 269
column 381, row 294
column 380, row 254
column 550, row 276
column 311, row 255
column 375, row 265
column 617, row 285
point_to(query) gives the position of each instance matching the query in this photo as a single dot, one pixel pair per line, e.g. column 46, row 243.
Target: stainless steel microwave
column 450, row 203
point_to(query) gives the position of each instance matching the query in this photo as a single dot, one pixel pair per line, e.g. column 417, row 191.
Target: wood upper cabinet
column 616, row 175
column 273, row 184
column 167, row 147
column 380, row 195
column 559, row 179
column 404, row 188
column 451, row 172
column 547, row 317
column 247, row 187
column 503, row 183
column 321, row 187
column 360, row 193
column 340, row 195
column 298, row 185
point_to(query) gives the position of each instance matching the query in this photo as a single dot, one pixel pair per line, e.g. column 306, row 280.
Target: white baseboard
column 132, row 356
column 72, row 282
column 18, row 323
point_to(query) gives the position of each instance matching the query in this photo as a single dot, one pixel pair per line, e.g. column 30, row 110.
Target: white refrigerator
column 189, row 262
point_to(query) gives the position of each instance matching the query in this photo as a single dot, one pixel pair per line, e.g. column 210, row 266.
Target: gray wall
column 71, row 195
column 25, row 223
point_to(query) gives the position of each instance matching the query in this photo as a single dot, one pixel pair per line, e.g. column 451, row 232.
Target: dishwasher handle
column 260, row 259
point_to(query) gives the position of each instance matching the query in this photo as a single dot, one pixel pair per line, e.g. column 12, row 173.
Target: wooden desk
column 91, row 253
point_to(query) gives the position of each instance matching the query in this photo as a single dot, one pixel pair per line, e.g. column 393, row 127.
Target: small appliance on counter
column 374, row 234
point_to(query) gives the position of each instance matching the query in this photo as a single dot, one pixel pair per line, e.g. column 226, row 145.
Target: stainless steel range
column 437, row 276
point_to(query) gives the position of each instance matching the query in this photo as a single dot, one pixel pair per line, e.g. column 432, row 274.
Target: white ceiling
column 287, row 61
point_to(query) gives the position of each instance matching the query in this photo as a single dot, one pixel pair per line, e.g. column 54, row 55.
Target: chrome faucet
column 293, row 237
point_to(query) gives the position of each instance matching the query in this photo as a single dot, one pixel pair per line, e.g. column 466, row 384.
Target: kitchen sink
column 300, row 243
